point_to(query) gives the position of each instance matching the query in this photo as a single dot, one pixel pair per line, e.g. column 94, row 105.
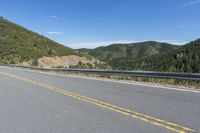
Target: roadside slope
column 18, row 44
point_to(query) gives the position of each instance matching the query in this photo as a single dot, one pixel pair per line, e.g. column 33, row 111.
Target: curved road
column 34, row 102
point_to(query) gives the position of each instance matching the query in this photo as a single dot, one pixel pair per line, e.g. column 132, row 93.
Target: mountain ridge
column 165, row 57
column 130, row 50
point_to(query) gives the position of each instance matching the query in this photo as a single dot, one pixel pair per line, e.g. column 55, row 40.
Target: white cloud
column 106, row 43
column 97, row 44
column 54, row 17
column 189, row 3
column 55, row 33
column 176, row 42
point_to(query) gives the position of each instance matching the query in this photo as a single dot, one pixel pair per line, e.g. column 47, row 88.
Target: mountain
column 151, row 56
column 113, row 54
column 183, row 59
column 18, row 44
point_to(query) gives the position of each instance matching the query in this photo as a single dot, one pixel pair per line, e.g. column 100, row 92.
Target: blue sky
column 90, row 23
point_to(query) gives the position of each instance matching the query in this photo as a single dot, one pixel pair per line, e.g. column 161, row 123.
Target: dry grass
column 155, row 81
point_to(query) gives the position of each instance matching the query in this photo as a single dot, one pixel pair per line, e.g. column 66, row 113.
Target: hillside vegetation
column 184, row 59
column 115, row 54
column 150, row 56
column 18, row 44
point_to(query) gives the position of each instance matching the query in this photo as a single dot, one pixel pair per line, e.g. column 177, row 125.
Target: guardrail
column 149, row 74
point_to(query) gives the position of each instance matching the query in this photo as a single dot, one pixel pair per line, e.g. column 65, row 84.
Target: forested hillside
column 184, row 59
column 116, row 54
column 132, row 50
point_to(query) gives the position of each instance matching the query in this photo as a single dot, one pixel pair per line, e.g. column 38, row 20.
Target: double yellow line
column 155, row 121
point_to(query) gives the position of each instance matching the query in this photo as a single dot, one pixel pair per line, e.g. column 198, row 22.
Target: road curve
column 37, row 102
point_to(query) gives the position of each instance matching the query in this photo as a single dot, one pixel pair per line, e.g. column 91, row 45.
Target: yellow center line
column 155, row 121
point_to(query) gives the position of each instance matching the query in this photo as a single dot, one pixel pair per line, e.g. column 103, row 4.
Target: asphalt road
column 33, row 102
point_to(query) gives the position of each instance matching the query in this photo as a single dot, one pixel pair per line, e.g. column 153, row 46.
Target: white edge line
column 108, row 80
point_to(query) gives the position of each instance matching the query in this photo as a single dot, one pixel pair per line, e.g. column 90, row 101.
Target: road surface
column 35, row 102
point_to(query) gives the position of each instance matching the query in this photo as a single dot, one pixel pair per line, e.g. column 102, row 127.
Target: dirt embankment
column 65, row 61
